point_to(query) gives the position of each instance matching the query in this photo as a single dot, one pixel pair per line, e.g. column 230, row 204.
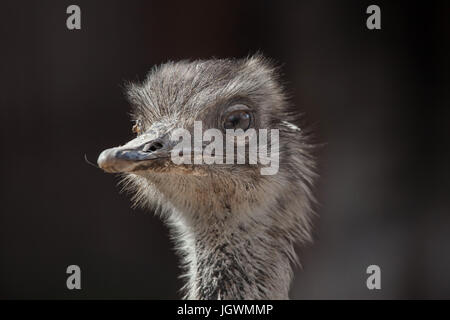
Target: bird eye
column 137, row 127
column 238, row 119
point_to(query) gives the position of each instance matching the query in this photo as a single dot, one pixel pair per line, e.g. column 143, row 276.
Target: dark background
column 379, row 99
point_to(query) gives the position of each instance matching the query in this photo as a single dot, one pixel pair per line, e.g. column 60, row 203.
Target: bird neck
column 244, row 260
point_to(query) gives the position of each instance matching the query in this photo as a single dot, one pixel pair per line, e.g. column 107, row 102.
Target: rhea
column 236, row 230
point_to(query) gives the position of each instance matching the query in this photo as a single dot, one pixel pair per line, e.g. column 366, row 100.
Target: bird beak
column 137, row 154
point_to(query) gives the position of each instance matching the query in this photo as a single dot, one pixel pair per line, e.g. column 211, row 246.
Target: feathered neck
column 229, row 260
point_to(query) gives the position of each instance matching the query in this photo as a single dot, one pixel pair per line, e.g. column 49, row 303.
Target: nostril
column 152, row 147
column 155, row 146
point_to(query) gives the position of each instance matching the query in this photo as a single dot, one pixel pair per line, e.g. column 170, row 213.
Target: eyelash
column 137, row 127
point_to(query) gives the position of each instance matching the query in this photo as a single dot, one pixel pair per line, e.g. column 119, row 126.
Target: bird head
column 199, row 97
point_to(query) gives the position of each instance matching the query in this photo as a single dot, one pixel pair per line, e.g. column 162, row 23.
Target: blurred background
column 379, row 99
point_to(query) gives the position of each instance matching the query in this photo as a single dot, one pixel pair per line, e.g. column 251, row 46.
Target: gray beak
column 136, row 154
